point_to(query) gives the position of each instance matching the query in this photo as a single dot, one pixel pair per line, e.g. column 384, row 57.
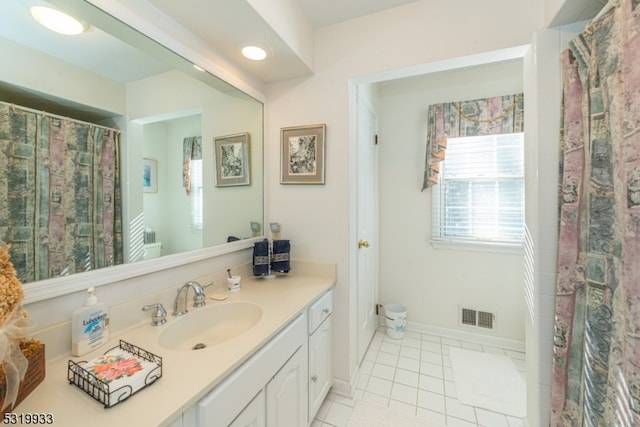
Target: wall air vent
column 469, row 316
column 480, row 319
column 485, row 320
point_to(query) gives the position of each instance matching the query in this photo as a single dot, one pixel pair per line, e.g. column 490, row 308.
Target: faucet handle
column 199, row 298
column 159, row 315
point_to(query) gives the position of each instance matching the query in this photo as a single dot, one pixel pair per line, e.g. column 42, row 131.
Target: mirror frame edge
column 193, row 49
column 39, row 291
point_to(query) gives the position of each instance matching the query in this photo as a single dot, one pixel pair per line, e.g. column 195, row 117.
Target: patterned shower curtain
column 60, row 198
column 596, row 362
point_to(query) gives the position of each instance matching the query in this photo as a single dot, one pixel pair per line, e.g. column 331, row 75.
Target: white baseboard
column 344, row 388
column 466, row 336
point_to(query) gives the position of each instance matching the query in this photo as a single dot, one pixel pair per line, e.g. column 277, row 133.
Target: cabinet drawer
column 320, row 310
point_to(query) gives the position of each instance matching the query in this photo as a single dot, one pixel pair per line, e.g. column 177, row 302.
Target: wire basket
column 101, row 384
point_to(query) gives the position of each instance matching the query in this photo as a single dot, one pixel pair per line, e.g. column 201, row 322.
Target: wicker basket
column 34, row 376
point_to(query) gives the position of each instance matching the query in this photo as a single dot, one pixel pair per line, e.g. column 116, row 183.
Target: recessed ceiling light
column 57, row 21
column 255, row 53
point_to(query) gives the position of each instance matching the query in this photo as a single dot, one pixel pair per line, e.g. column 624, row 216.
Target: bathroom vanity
column 275, row 373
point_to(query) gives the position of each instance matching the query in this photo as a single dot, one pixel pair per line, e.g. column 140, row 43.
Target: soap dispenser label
column 94, row 323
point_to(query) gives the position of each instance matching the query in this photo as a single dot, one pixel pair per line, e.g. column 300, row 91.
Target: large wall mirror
column 117, row 78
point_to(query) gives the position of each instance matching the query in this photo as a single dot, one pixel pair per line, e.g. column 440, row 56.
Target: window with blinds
column 480, row 194
column 195, row 174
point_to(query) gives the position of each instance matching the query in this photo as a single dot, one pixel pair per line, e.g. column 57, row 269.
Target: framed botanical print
column 303, row 154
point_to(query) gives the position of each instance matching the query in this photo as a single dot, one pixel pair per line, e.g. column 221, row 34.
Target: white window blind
column 480, row 194
column 195, row 167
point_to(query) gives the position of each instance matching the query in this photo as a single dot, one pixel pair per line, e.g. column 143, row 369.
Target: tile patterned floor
column 414, row 376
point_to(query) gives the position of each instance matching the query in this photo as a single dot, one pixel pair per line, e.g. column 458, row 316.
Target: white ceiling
column 228, row 25
column 224, row 25
column 327, row 12
column 93, row 50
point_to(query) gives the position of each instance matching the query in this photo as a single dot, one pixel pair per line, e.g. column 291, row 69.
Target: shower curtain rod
column 608, row 6
column 57, row 116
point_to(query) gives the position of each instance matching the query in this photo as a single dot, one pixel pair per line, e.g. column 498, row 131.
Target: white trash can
column 396, row 319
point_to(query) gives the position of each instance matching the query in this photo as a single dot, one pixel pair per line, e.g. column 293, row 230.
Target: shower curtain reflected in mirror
column 60, row 198
column 596, row 364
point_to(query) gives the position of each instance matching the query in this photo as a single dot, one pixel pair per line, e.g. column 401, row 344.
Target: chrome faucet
column 198, row 297
column 158, row 317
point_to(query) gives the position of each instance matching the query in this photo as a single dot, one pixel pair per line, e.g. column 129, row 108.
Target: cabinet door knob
column 314, row 378
column 363, row 244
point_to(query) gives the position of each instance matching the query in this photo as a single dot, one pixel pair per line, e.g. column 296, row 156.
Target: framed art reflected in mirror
column 150, row 175
column 232, row 160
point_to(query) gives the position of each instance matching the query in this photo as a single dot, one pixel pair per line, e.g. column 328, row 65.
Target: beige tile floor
column 414, row 376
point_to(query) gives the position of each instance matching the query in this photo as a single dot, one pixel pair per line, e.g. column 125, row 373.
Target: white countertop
column 187, row 376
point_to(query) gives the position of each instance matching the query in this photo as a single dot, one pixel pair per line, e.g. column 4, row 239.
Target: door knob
column 363, row 244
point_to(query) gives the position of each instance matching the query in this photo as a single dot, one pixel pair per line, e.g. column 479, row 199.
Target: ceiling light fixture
column 199, row 68
column 255, row 53
column 57, row 21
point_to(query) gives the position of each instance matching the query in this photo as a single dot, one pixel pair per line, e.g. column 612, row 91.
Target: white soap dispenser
column 89, row 325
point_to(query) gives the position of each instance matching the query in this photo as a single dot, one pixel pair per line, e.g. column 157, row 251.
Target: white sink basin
column 209, row 326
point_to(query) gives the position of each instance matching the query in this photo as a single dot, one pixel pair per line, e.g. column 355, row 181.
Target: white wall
column 542, row 164
column 236, row 206
column 434, row 283
column 61, row 80
column 155, row 148
column 172, row 95
column 316, row 218
column 181, row 235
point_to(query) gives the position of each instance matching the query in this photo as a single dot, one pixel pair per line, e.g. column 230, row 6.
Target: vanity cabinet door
column 287, row 393
column 177, row 422
column 186, row 419
column 253, row 415
column 223, row 405
column 320, row 366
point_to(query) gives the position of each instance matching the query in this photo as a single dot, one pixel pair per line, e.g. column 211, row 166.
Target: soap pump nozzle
column 91, row 298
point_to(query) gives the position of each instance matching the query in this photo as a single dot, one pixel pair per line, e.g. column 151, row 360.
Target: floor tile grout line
column 443, row 342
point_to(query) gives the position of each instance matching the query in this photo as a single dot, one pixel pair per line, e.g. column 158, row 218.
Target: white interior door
column 367, row 225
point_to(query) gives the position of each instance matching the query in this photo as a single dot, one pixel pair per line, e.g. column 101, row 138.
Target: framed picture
column 302, row 153
column 232, row 160
column 150, row 175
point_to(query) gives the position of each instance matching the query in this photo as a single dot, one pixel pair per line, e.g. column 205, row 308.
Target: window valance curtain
column 488, row 116
column 191, row 150
column 60, row 197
